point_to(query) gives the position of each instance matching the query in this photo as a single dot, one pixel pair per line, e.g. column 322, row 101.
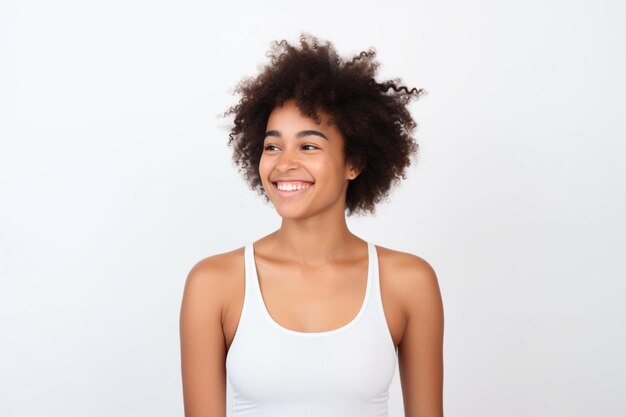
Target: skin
column 312, row 272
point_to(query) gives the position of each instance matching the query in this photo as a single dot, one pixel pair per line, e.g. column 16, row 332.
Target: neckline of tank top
column 371, row 264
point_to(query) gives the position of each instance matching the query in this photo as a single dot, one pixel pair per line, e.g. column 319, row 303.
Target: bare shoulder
column 406, row 268
column 216, row 267
column 410, row 277
column 211, row 279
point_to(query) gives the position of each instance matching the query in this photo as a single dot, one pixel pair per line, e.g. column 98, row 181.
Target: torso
column 314, row 300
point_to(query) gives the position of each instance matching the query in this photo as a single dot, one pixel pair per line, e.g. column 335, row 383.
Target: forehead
column 288, row 116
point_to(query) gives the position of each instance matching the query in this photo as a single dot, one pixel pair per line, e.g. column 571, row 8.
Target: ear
column 355, row 168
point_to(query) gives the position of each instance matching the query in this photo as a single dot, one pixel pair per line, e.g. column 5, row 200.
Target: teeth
column 291, row 187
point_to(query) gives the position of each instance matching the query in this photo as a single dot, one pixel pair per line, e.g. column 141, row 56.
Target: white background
column 116, row 179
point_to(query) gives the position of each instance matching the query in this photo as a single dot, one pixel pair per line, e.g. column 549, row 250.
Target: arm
column 420, row 352
column 202, row 343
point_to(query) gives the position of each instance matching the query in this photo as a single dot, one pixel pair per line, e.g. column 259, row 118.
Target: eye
column 306, row 147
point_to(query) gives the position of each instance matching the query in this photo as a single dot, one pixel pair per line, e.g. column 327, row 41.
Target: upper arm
column 202, row 342
column 420, row 352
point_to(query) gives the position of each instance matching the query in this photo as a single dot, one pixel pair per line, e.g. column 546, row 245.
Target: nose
column 287, row 160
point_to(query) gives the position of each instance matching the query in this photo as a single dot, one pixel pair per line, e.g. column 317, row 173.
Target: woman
column 310, row 319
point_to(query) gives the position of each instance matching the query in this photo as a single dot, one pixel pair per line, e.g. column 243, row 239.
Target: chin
column 291, row 214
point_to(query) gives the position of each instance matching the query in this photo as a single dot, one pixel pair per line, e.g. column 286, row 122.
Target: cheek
column 332, row 172
column 263, row 167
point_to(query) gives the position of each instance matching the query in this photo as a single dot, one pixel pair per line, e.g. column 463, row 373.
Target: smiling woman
column 311, row 319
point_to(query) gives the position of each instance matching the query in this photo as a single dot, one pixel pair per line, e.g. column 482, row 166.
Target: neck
column 315, row 241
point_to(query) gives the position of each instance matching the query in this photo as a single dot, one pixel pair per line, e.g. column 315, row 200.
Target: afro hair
column 372, row 116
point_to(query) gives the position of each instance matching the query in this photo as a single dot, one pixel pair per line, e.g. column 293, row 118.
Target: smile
column 287, row 189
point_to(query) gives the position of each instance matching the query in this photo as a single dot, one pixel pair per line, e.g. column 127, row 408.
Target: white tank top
column 279, row 372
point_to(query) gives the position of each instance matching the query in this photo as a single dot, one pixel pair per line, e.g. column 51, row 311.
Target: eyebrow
column 301, row 134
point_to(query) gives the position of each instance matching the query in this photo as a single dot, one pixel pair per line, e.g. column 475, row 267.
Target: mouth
column 293, row 188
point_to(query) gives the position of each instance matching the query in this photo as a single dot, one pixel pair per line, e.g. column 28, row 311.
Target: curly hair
column 372, row 117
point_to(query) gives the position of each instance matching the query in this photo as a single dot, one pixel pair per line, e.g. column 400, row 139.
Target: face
column 302, row 166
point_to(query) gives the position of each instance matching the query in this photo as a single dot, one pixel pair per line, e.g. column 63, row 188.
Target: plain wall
column 116, row 179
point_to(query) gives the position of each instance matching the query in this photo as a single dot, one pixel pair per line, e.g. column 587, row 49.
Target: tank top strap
column 250, row 274
column 249, row 262
column 249, row 313
column 375, row 300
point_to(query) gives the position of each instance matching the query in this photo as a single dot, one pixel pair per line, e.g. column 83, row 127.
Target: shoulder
column 404, row 261
column 211, row 279
column 216, row 267
column 408, row 269
column 410, row 277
